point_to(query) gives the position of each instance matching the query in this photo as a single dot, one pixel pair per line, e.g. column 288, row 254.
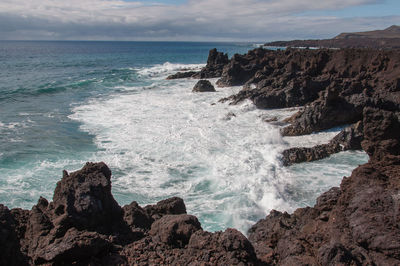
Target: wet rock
column 302, row 154
column 203, row 86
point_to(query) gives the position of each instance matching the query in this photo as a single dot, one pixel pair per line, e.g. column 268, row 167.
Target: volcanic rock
column 84, row 225
column 356, row 224
column 173, row 205
column 215, row 64
column 349, row 138
column 175, row 230
column 203, row 86
column 181, row 75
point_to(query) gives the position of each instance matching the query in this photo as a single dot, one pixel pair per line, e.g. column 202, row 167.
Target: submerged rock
column 203, row 86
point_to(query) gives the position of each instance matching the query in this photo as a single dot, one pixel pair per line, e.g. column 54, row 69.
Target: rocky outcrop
column 203, row 86
column 215, row 63
column 84, row 225
column 349, row 138
column 333, row 85
column 356, row 224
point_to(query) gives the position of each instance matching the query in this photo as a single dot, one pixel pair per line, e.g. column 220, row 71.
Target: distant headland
column 388, row 38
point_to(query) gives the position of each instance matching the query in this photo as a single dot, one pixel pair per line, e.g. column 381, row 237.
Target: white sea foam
column 223, row 160
column 23, row 186
column 162, row 70
column 313, row 139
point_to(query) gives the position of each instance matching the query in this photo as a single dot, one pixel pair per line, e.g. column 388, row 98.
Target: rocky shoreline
column 356, row 224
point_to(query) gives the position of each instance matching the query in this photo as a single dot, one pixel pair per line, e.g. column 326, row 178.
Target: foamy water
column 65, row 103
column 163, row 140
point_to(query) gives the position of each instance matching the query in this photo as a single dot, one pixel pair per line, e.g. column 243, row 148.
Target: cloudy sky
column 191, row 20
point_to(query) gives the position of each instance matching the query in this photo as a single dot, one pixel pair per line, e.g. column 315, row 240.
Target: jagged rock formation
column 349, row 138
column 333, row 85
column 215, row 63
column 85, row 225
column 379, row 39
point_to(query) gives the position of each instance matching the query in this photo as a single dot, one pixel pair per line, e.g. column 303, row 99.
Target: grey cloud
column 195, row 20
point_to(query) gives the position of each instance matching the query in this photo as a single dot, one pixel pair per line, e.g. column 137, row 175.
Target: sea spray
column 108, row 102
column 222, row 160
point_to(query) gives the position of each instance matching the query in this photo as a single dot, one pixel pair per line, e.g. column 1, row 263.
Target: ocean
column 65, row 103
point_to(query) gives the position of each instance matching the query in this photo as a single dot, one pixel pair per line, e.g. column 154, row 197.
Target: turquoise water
column 65, row 103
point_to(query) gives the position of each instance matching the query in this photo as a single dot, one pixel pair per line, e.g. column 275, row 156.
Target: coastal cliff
column 355, row 224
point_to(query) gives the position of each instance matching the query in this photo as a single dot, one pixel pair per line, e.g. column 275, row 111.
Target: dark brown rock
column 203, row 86
column 175, row 230
column 11, row 231
column 181, row 75
column 334, row 85
column 137, row 217
column 381, row 133
column 84, row 198
column 173, row 205
column 354, row 225
column 348, row 139
column 215, row 63
column 75, row 246
column 85, row 226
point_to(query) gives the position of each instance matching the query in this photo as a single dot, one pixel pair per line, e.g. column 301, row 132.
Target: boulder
column 175, row 230
column 203, row 86
column 174, row 205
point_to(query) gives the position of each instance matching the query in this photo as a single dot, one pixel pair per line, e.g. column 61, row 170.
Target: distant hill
column 391, row 32
column 388, row 38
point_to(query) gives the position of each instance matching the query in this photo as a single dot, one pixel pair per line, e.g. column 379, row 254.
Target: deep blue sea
column 65, row 103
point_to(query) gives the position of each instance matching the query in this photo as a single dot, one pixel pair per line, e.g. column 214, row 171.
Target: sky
column 192, row 20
